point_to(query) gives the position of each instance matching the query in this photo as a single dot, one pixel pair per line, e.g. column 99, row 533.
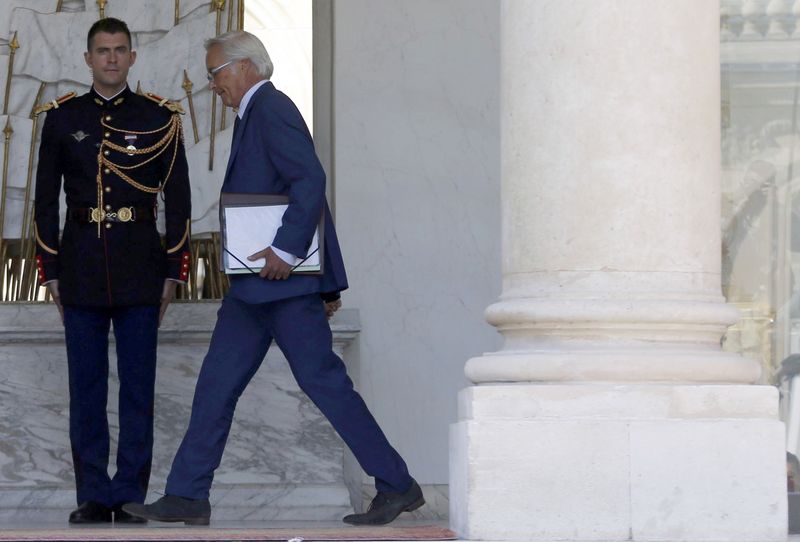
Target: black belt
column 122, row 214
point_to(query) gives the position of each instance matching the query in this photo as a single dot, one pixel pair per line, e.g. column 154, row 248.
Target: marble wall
column 417, row 186
column 282, row 460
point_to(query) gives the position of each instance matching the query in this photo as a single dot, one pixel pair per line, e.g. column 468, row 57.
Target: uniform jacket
column 272, row 153
column 112, row 263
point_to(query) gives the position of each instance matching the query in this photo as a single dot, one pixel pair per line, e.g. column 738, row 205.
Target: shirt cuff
column 291, row 259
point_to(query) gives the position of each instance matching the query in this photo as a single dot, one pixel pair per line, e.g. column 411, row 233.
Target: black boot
column 91, row 512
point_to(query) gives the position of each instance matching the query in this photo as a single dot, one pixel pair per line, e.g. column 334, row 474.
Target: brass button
column 108, row 226
column 108, row 189
column 106, row 152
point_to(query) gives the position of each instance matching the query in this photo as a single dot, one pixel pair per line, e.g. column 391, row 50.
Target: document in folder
column 249, row 223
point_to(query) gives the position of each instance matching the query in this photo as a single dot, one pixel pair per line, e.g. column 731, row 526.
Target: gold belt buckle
column 125, row 214
column 97, row 214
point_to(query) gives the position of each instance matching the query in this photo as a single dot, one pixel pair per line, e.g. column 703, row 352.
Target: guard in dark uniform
column 120, row 155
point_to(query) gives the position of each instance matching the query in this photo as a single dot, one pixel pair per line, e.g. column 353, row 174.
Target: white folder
column 248, row 224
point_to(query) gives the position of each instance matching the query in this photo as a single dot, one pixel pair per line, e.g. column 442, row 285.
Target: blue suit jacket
column 272, row 153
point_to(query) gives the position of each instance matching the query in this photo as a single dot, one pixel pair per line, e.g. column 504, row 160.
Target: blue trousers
column 86, row 330
column 241, row 337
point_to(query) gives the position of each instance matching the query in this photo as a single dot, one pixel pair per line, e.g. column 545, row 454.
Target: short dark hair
column 109, row 25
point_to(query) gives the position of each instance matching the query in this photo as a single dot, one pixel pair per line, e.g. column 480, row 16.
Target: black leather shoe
column 386, row 506
column 172, row 509
column 91, row 512
column 121, row 516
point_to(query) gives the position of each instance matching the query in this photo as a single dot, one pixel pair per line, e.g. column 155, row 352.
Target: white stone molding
column 759, row 20
column 753, row 15
column 778, row 13
column 153, row 16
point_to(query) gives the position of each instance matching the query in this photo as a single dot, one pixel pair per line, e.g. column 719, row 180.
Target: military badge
column 80, row 135
column 131, row 139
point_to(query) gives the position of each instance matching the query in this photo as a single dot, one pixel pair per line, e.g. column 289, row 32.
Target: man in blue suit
column 272, row 153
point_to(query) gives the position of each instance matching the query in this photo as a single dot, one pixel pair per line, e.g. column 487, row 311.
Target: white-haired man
column 272, row 153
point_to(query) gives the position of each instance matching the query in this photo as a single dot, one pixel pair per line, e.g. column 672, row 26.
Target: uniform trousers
column 86, row 331
column 241, row 338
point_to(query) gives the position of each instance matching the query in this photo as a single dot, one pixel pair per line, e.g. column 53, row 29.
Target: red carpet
column 207, row 534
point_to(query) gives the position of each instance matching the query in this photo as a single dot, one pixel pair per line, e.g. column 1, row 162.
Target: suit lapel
column 242, row 126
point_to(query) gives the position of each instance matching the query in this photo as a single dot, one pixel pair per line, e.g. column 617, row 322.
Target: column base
column 628, row 462
column 593, row 363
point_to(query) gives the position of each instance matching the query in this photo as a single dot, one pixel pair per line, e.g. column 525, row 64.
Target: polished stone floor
column 276, row 524
column 255, row 525
column 226, row 531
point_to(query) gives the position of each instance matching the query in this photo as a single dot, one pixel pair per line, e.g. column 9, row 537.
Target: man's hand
column 53, row 286
column 275, row 268
column 331, row 307
column 166, row 297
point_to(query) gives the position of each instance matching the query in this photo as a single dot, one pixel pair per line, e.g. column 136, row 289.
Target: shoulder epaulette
column 54, row 104
column 163, row 102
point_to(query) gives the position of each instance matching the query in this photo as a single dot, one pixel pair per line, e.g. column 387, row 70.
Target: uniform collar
column 111, row 102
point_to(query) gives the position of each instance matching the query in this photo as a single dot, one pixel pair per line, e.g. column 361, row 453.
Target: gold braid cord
column 163, row 102
column 172, row 136
column 41, row 243
column 177, row 247
column 53, row 104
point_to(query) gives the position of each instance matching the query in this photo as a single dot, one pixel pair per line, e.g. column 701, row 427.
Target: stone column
column 611, row 412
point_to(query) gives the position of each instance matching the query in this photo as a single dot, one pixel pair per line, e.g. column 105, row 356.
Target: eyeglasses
column 214, row 71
